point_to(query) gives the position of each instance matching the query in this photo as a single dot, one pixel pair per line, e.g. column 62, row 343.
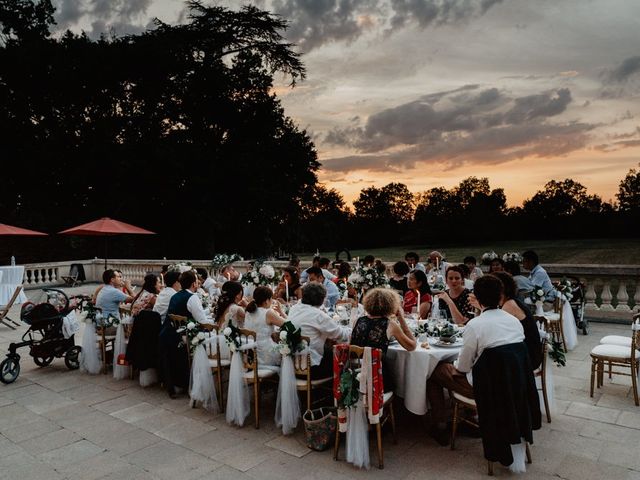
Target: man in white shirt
column 164, row 297
column 319, row 327
column 492, row 328
column 186, row 303
column 304, row 275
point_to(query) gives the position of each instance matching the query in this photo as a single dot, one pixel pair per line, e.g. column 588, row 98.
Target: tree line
column 177, row 130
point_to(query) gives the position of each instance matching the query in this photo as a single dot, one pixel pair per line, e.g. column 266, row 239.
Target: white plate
column 440, row 344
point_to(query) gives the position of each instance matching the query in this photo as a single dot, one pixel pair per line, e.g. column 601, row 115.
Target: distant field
column 609, row 251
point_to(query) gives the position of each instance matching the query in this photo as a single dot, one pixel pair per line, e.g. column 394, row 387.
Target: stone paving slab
column 60, row 424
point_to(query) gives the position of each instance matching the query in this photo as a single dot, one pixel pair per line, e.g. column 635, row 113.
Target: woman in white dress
column 262, row 319
column 230, row 306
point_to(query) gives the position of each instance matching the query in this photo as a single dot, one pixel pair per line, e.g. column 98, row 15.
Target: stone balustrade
column 612, row 291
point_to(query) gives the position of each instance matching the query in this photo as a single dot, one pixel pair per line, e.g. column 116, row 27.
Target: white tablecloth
column 412, row 369
column 11, row 277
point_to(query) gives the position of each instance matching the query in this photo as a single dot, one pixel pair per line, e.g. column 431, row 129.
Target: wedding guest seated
column 437, row 261
column 344, row 271
column 262, row 319
column 468, row 283
column 172, row 286
column 186, row 303
column 455, row 300
column 333, row 294
column 111, row 295
column 510, row 303
column 398, row 280
column 523, row 284
column 368, row 261
column 124, row 285
column 304, row 276
column 496, row 265
column 319, row 327
column 230, row 306
column 146, row 298
column 413, row 261
column 376, row 329
column 538, row 276
column 294, row 262
column 417, row 282
column 228, row 273
column 324, row 263
column 472, row 263
column 207, row 283
column 492, row 328
column 290, row 287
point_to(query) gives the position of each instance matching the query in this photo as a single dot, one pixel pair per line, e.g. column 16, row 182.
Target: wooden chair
column 180, row 321
column 217, row 363
column 554, row 321
column 461, row 404
column 355, row 354
column 105, row 344
column 254, row 375
column 302, row 366
column 617, row 356
column 541, row 372
column 4, row 310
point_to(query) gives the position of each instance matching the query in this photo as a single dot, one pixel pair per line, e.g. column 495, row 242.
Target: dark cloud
column 623, row 72
column 465, row 125
column 105, row 16
column 427, row 12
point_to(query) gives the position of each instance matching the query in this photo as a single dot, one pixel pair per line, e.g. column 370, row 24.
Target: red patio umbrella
column 10, row 230
column 106, row 227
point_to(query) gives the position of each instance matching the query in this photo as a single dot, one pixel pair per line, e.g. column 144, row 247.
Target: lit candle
column 437, row 263
column 418, row 304
column 345, row 295
column 286, row 290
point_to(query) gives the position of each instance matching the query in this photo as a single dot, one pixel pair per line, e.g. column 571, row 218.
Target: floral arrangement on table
column 487, row 257
column 223, row 259
column 512, row 257
column 232, row 336
column 205, row 299
column 261, row 274
column 537, row 294
column 365, row 278
column 180, row 267
column 343, row 285
column 195, row 334
column 94, row 314
column 290, row 340
column 565, row 287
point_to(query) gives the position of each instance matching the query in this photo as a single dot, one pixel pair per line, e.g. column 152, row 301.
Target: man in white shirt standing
column 319, row 327
column 164, row 297
column 492, row 328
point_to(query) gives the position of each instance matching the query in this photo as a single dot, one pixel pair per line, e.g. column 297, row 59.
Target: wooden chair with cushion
column 4, row 310
column 254, row 375
column 617, row 356
column 217, row 363
column 355, row 355
column 302, row 365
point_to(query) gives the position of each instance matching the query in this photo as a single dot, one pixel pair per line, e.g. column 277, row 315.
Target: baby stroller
column 577, row 304
column 44, row 337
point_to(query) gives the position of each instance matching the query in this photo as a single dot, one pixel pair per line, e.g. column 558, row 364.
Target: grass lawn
column 580, row 251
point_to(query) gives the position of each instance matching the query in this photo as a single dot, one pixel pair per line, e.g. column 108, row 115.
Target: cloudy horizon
column 428, row 92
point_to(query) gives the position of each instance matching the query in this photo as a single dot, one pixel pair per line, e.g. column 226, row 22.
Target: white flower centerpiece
column 180, row 267
column 512, row 257
column 565, row 288
column 537, row 297
column 488, row 256
column 221, row 260
column 261, row 274
column 366, row 278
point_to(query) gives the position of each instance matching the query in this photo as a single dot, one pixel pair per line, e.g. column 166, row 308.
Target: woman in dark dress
column 399, row 279
column 512, row 304
column 291, row 286
column 377, row 328
column 455, row 301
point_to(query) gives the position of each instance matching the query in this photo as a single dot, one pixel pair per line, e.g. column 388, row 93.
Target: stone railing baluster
column 590, row 295
column 623, row 298
column 606, row 297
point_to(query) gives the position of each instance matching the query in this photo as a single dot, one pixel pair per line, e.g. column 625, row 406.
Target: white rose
column 227, row 331
column 184, row 268
column 232, row 347
column 256, row 280
column 285, row 350
column 191, row 326
column 369, row 277
column 540, row 292
column 283, row 335
column 201, row 335
column 267, row 271
column 195, row 341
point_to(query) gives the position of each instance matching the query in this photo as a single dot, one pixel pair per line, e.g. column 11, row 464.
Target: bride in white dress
column 262, row 319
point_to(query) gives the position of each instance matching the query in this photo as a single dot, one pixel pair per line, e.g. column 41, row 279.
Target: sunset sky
column 428, row 92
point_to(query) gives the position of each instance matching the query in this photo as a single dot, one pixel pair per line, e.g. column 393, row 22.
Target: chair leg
column 528, row 452
column 610, row 369
column 380, row 453
column 601, row 372
column 7, row 324
column 490, row 468
column 593, row 376
column 454, row 426
column 547, row 410
column 634, row 383
column 336, row 447
column 393, row 423
column 220, row 392
column 309, row 402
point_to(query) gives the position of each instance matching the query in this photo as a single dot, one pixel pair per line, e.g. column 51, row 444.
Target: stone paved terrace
column 59, row 424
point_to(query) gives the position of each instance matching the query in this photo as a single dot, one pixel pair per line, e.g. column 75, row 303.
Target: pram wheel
column 10, row 369
column 43, row 361
column 72, row 358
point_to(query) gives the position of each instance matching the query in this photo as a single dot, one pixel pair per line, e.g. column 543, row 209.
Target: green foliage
column 629, row 191
column 557, row 353
column 349, row 388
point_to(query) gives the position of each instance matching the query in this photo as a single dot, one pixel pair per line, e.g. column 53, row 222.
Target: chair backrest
column 213, row 350
column 178, row 320
column 249, row 357
column 302, row 361
column 5, row 310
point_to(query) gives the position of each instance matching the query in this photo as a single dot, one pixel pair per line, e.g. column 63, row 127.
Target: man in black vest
column 186, row 302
